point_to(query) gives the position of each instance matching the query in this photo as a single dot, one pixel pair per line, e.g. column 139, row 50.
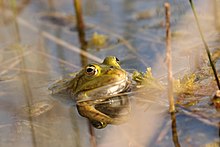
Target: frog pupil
column 89, row 70
column 117, row 59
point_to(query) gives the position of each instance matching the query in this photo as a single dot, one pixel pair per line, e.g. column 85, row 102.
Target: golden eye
column 91, row 70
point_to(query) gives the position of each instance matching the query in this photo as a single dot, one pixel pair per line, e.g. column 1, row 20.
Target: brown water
column 39, row 44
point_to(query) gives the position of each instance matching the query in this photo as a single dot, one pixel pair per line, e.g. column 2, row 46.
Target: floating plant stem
column 169, row 58
column 205, row 44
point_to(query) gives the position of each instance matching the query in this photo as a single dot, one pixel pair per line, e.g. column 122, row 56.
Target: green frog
column 97, row 91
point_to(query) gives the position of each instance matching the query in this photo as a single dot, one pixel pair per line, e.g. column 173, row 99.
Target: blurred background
column 39, row 44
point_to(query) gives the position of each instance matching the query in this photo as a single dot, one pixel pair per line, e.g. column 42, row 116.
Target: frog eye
column 117, row 59
column 91, row 70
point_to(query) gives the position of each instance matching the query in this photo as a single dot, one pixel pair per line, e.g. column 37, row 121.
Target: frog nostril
column 117, row 59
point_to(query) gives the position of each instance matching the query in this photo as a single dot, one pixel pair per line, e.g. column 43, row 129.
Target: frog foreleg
column 93, row 114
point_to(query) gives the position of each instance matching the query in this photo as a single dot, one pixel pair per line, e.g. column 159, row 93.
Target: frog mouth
column 104, row 91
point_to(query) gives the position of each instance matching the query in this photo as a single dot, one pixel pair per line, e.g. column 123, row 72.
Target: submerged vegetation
column 97, row 40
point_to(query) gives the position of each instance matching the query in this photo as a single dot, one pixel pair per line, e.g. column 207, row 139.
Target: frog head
column 98, row 80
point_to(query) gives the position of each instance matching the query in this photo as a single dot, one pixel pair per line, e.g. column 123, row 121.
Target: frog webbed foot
column 98, row 124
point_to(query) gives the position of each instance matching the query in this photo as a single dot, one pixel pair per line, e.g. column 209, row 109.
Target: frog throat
column 104, row 91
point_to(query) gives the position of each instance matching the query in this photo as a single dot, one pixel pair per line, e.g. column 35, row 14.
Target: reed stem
column 169, row 58
column 174, row 130
column 84, row 59
column 80, row 22
column 205, row 44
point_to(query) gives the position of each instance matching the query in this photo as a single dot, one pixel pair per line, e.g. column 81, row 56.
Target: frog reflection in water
column 95, row 89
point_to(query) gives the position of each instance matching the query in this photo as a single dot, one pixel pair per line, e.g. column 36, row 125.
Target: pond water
column 39, row 44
